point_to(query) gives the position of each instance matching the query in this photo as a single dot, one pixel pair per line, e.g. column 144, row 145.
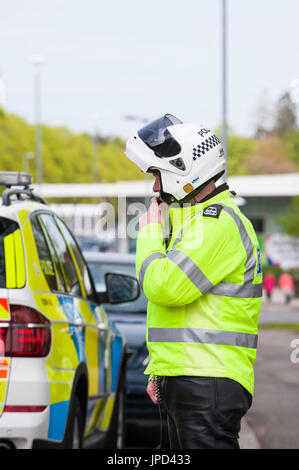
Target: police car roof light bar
column 15, row 178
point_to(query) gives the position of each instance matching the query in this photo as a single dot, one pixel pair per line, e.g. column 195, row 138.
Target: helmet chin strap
column 192, row 198
column 163, row 197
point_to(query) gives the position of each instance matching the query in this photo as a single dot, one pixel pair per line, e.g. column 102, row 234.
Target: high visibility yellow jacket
column 204, row 291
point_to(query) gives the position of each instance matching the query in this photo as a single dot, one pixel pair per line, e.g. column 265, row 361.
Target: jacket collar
column 220, row 189
column 179, row 215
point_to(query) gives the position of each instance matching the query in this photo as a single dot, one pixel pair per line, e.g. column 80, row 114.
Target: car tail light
column 24, row 409
column 3, row 339
column 28, row 334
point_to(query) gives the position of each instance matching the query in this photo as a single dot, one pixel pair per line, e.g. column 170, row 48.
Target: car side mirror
column 121, row 288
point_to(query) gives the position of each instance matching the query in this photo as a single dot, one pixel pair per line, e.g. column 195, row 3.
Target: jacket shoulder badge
column 213, row 211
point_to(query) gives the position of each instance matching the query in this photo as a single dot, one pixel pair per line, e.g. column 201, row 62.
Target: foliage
column 67, row 157
column 275, row 270
column 285, row 115
column 279, row 326
column 269, row 154
column 291, row 140
column 290, row 219
column 240, row 152
column 270, row 157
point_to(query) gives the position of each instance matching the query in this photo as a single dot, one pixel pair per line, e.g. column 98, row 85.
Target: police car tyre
column 6, row 445
column 116, row 433
column 74, row 433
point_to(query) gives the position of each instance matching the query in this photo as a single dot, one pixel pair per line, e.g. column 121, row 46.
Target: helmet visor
column 157, row 137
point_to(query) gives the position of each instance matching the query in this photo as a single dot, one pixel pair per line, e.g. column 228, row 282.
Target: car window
column 45, row 258
column 79, row 258
column 98, row 271
column 60, row 247
column 7, row 226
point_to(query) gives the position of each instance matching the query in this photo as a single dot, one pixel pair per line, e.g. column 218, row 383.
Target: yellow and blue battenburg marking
column 79, row 344
column 69, row 336
column 4, row 310
column 4, row 361
column 77, row 334
column 4, row 375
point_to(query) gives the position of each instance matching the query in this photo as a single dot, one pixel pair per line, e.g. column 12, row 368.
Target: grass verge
column 279, row 326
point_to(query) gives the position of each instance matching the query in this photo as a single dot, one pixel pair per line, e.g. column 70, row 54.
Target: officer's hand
column 151, row 391
column 152, row 215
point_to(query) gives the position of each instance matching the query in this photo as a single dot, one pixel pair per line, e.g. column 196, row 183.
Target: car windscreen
column 98, row 272
column 7, row 227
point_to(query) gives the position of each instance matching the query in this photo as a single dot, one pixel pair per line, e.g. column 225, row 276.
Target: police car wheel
column 116, row 432
column 120, row 431
column 76, row 434
column 75, row 429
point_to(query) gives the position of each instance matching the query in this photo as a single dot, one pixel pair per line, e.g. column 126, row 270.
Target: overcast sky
column 145, row 58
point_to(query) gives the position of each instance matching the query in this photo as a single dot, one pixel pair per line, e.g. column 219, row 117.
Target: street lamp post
column 224, row 81
column 25, row 164
column 2, row 90
column 95, row 147
column 37, row 60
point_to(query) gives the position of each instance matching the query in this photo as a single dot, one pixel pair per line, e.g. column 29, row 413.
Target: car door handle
column 79, row 322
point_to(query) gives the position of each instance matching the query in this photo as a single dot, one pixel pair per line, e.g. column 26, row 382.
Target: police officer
column 203, row 284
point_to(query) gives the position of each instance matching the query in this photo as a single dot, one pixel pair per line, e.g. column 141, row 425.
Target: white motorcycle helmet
column 187, row 156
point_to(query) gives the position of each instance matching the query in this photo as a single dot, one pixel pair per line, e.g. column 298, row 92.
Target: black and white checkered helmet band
column 205, row 146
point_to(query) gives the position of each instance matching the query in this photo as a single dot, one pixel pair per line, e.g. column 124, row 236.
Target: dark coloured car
column 95, row 244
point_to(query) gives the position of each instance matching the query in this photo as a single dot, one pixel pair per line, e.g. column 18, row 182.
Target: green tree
column 290, row 219
column 286, row 119
column 67, row 157
column 291, row 139
column 264, row 116
column 269, row 157
column 240, row 151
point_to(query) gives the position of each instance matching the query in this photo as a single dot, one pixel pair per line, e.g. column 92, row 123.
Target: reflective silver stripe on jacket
column 198, row 335
column 190, row 270
column 185, row 263
column 245, row 290
column 146, row 264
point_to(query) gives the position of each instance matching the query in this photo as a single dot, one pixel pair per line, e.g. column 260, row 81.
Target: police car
column 62, row 361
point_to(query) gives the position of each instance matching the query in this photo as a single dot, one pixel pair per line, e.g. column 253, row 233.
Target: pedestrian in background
column 286, row 284
column 269, row 284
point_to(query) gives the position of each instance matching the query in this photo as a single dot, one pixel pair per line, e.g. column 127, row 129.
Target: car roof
column 109, row 257
column 15, row 207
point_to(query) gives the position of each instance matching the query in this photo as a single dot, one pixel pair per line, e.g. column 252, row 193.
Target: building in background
column 267, row 197
column 262, row 198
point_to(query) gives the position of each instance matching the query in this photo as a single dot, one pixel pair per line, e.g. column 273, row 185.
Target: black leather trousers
column 204, row 412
